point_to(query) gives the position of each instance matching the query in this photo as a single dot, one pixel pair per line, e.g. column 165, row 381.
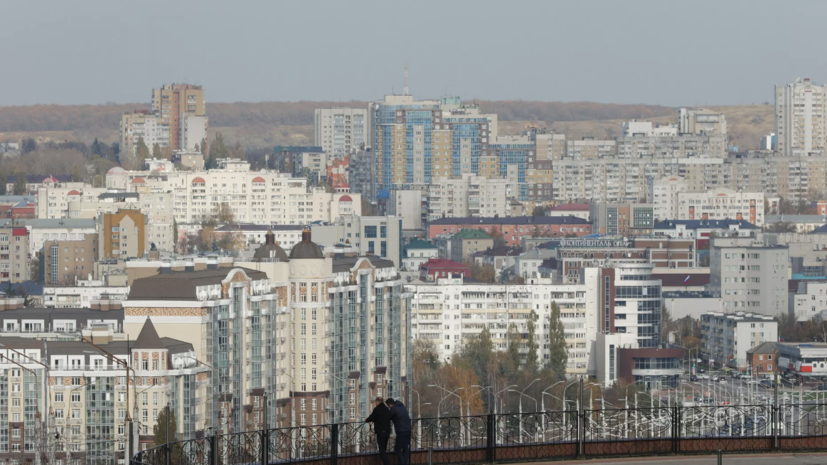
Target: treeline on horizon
column 36, row 118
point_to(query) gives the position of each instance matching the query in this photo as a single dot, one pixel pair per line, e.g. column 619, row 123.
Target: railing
column 521, row 437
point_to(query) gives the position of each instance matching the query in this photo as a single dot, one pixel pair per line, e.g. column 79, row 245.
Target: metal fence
column 521, row 437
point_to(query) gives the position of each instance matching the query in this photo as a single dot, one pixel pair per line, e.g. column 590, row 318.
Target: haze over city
column 664, row 53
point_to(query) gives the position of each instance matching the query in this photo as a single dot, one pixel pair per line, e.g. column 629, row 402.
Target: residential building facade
column 340, row 131
column 800, row 126
column 726, row 337
column 749, row 276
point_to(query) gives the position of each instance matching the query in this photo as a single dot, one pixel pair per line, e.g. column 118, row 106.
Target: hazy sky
column 656, row 52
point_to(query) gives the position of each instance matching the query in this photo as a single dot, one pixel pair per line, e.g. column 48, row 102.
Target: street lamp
column 439, row 406
column 496, row 395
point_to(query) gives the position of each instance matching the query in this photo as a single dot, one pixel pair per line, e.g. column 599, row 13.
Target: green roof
column 471, row 234
column 420, row 244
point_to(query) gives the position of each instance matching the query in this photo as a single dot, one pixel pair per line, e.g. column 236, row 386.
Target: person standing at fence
column 402, row 424
column 381, row 419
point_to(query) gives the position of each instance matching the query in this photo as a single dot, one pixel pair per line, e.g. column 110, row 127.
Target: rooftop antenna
column 405, row 81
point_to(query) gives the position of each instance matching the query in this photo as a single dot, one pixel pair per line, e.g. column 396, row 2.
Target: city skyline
column 543, row 51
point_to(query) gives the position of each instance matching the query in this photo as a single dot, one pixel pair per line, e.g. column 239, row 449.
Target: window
column 383, row 232
column 370, row 231
column 75, row 397
column 144, row 399
column 58, row 397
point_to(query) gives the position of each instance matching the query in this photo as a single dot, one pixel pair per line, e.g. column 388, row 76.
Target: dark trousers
column 402, row 447
column 382, row 442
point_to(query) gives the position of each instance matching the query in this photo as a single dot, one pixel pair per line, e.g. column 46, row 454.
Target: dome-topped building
column 270, row 250
column 306, row 248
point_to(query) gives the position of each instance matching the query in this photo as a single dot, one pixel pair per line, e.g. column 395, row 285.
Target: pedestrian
column 402, row 424
column 381, row 419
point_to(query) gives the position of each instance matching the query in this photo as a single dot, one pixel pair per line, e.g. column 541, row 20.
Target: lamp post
column 522, row 393
column 439, row 407
column 543, row 406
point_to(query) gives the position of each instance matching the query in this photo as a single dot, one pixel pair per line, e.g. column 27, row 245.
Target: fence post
column 776, row 422
column 167, row 447
column 213, row 449
column 334, row 444
column 265, row 432
column 490, row 438
column 581, row 420
column 676, row 429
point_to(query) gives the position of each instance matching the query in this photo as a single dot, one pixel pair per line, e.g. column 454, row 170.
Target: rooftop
column 442, row 263
column 516, row 220
column 769, row 219
column 51, row 223
column 260, row 227
column 347, row 263
column 471, row 234
column 570, row 207
column 420, row 244
column 181, row 285
column 677, row 280
column 705, row 224
column 763, row 348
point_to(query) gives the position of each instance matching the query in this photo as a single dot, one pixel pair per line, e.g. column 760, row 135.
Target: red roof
column 18, row 232
column 138, row 180
column 255, row 179
column 73, row 192
column 198, row 179
column 50, row 179
column 345, row 198
column 571, row 207
column 443, row 264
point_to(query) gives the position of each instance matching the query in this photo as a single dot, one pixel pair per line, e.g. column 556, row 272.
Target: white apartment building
column 468, row 196
column 672, row 146
column 749, row 276
column 726, row 337
column 194, row 130
column 663, row 194
column 810, row 300
column 720, row 204
column 82, row 295
column 406, row 204
column 646, row 128
column 800, row 125
column 141, row 125
column 53, row 202
column 367, row 235
column 339, row 131
column 259, row 197
column 450, row 312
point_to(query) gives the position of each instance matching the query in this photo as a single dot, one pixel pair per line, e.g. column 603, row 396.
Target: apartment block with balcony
column 749, row 276
column 340, row 131
column 63, row 263
column 14, row 254
column 727, row 337
column 800, row 125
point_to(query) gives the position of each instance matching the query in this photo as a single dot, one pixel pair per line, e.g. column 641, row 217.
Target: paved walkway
column 731, row 459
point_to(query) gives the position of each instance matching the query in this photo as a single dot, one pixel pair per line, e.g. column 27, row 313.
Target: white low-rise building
column 810, row 300
column 82, row 295
column 416, row 253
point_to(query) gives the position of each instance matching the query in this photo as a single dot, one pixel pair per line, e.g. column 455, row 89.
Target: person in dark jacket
column 402, row 426
column 381, row 419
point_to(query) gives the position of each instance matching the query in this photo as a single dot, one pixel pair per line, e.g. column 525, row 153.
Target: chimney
column 212, row 263
column 306, row 235
column 166, row 268
column 189, row 265
column 269, row 238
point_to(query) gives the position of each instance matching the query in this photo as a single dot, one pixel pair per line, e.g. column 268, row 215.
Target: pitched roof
column 515, row 220
column 442, row 263
column 148, row 337
column 181, row 285
column 502, row 251
column 763, row 348
column 420, row 244
column 471, row 234
column 820, row 230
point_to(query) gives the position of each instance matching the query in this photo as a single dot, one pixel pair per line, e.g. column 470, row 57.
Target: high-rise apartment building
column 749, row 276
column 800, row 112
column 142, row 125
column 65, row 262
column 175, row 102
column 417, row 141
column 468, row 195
column 122, row 235
column 340, row 131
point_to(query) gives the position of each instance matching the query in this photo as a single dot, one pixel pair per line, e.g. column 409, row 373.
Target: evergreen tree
column 531, row 360
column 218, row 149
column 558, row 349
column 20, row 184
column 174, row 232
column 514, row 341
column 76, row 176
column 203, row 146
column 4, row 180
column 156, row 151
column 96, row 147
column 160, row 431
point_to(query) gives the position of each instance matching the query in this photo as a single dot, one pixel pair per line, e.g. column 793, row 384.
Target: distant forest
column 96, row 118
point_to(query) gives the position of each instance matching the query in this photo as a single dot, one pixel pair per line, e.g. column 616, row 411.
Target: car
column 693, row 378
column 715, row 378
column 753, row 382
column 820, row 387
column 767, row 383
column 722, row 379
column 703, row 376
column 701, row 370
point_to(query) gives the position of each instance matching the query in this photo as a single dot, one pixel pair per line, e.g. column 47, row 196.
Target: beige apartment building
column 340, row 131
column 142, row 125
column 14, row 254
column 65, row 262
column 174, row 103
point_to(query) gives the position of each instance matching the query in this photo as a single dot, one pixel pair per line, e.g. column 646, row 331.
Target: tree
column 237, row 151
column 4, row 181
column 28, row 146
column 174, row 231
column 164, row 435
column 538, row 211
column 203, row 146
column 781, row 227
column 218, row 149
column 96, row 147
column 224, row 214
column 497, row 235
column 484, row 274
column 531, row 359
column 166, row 152
column 76, row 177
column 156, row 150
column 20, row 184
column 558, row 349
column 143, row 152
column 515, row 339
column 34, row 269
